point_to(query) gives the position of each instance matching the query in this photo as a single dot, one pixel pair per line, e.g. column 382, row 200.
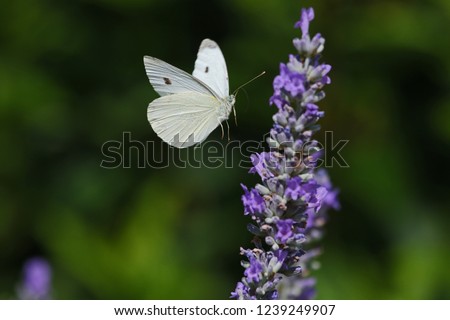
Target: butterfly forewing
column 167, row 79
column 210, row 68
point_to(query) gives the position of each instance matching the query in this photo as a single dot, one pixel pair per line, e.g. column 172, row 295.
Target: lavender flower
column 36, row 280
column 289, row 207
column 253, row 202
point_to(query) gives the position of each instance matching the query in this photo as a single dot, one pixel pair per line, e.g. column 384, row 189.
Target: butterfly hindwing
column 184, row 119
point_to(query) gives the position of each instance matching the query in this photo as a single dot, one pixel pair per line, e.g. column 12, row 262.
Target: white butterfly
column 190, row 106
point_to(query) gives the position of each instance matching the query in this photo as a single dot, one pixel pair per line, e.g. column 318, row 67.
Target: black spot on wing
column 206, row 69
column 167, row 81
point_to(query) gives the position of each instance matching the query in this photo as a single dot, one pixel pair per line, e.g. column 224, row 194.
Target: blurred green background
column 72, row 78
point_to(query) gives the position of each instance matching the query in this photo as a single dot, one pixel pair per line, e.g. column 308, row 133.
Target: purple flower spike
column 288, row 207
column 36, row 280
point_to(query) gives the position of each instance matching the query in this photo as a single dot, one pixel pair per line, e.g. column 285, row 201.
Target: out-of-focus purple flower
column 36, row 281
column 308, row 292
column 288, row 207
column 300, row 289
column 331, row 199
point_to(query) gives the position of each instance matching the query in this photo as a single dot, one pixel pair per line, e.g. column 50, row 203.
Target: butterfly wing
column 184, row 119
column 167, row 79
column 210, row 68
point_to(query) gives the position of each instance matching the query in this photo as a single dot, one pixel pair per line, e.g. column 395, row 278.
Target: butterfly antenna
column 237, row 91
column 242, row 85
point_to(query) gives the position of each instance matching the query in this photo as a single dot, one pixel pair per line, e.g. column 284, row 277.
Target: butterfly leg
column 221, row 126
column 228, row 126
column 235, row 118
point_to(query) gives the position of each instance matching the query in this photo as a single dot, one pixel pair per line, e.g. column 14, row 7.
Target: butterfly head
column 231, row 99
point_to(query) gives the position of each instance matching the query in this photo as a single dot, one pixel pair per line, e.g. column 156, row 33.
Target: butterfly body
column 190, row 106
column 225, row 108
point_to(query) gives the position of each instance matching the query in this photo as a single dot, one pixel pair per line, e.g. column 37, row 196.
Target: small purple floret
column 253, row 202
column 285, row 231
